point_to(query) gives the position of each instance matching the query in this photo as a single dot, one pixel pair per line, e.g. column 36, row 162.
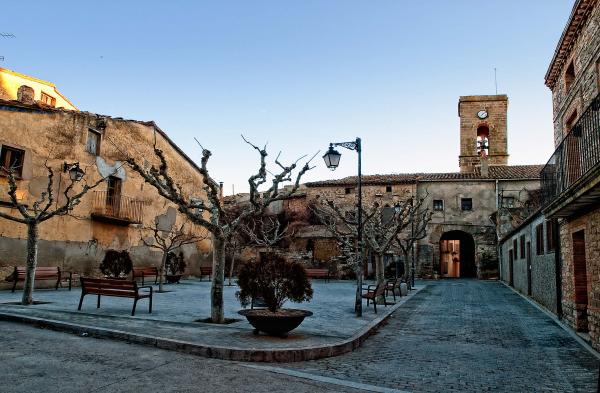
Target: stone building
column 16, row 86
column 571, row 178
column 113, row 215
column 470, row 207
column 529, row 261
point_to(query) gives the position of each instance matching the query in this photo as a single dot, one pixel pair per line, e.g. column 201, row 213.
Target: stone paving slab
column 465, row 336
column 332, row 330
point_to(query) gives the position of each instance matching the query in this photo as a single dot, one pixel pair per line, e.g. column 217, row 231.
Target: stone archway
column 457, row 255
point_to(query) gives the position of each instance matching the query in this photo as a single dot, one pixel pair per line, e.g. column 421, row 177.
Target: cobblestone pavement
column 36, row 360
column 466, row 335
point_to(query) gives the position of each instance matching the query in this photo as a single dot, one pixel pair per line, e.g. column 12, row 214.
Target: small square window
column 11, row 158
column 466, row 204
column 47, row 99
column 348, row 190
column 93, row 143
column 438, row 205
column 508, row 202
column 515, row 248
column 388, row 188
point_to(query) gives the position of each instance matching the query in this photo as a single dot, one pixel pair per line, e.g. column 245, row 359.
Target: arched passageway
column 457, row 255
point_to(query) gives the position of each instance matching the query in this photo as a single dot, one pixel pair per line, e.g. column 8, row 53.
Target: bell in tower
column 483, row 131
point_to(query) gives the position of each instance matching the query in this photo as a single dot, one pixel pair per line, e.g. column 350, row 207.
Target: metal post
column 359, row 270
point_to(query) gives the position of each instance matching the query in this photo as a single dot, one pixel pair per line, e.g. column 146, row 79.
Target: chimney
column 25, row 95
column 484, row 166
column 221, row 191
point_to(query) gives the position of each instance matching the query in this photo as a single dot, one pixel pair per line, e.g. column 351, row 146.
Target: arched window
column 483, row 142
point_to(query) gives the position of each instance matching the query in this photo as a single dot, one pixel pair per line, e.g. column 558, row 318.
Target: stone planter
column 278, row 323
column 173, row 278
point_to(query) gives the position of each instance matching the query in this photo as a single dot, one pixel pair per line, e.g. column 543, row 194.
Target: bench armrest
column 146, row 287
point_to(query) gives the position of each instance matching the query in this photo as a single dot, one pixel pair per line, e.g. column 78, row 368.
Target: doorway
column 457, row 255
column 581, row 281
column 113, row 196
column 528, row 256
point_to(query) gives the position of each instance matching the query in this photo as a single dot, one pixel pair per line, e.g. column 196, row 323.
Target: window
column 515, row 248
column 466, row 204
column 570, row 122
column 93, row 143
column 522, row 246
column 12, row 158
column 483, row 141
column 438, row 205
column 508, row 202
column 113, row 196
column 550, row 233
column 47, row 99
column 348, row 190
column 569, row 76
column 388, row 188
column 539, row 239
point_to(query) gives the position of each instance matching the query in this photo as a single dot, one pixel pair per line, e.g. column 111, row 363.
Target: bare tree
column 266, row 231
column 418, row 219
column 212, row 215
column 170, row 240
column 381, row 229
column 41, row 210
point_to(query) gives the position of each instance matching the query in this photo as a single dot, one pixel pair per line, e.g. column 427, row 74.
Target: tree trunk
column 216, row 291
column 163, row 267
column 379, row 273
column 231, row 267
column 406, row 269
column 32, row 252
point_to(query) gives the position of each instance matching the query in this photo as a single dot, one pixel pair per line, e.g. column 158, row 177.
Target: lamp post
column 75, row 172
column 332, row 160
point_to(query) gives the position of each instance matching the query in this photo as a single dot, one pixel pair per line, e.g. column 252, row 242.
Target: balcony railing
column 118, row 208
column 576, row 156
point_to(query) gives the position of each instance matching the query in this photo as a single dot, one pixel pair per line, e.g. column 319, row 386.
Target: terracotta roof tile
column 508, row 172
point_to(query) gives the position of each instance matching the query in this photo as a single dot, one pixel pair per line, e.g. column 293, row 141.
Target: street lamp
column 75, row 172
column 332, row 160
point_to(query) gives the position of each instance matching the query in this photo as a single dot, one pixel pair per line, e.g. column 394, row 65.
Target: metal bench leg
column 98, row 305
column 81, row 300
column 150, row 307
column 134, row 304
column 14, row 285
column 375, row 305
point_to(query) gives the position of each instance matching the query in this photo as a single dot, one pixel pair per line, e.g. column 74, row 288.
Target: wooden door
column 528, row 256
column 581, row 280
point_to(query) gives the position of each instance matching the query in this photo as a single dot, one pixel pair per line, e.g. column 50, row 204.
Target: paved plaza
column 453, row 335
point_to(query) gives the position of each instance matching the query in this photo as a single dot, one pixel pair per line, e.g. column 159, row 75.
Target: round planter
column 173, row 278
column 275, row 324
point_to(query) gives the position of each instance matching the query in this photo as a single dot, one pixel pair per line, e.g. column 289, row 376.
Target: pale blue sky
column 299, row 74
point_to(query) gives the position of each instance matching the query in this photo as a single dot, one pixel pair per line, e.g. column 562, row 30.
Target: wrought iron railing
column 117, row 206
column 575, row 156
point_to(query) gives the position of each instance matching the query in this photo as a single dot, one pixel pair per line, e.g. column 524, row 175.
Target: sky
column 299, row 74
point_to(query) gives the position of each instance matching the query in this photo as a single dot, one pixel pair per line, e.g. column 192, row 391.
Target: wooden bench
column 393, row 285
column 205, row 271
column 41, row 273
column 113, row 287
column 145, row 272
column 373, row 293
column 318, row 273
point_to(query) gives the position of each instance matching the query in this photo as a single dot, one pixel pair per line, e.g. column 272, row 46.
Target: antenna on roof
column 496, row 80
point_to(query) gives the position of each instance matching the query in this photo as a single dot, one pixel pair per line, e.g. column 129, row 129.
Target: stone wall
column 497, row 108
column 77, row 241
column 572, row 314
column 585, row 57
column 543, row 267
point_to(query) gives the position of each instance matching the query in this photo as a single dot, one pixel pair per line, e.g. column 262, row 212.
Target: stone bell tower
column 483, row 134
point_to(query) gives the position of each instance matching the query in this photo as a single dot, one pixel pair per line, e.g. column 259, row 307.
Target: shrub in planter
column 175, row 264
column 275, row 280
column 116, row 264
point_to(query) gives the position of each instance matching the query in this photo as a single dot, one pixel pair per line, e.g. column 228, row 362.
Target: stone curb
column 296, row 354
